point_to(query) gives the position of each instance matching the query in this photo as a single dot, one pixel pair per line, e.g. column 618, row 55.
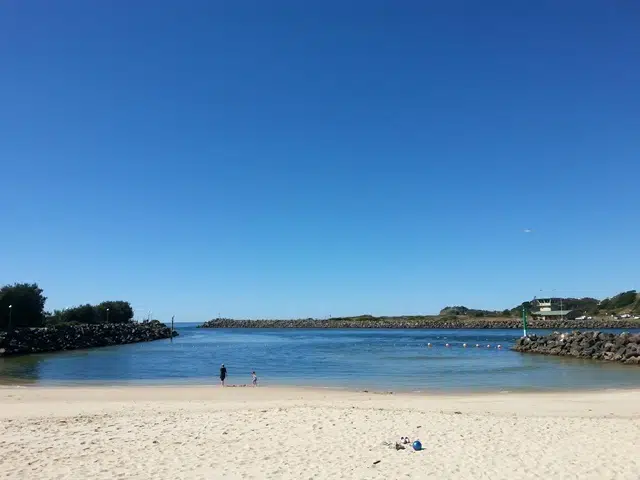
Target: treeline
column 461, row 310
column 105, row 312
column 23, row 305
column 628, row 301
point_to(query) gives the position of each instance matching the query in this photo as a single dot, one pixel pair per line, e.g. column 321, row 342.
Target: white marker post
column 524, row 321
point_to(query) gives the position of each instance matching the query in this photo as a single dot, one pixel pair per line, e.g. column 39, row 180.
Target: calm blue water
column 362, row 359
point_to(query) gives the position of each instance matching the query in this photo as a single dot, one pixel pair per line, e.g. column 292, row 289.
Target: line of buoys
column 464, row 345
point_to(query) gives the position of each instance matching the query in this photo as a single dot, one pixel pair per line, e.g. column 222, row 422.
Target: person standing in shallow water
column 223, row 374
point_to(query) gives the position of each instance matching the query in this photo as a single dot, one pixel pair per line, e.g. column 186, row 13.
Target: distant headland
column 619, row 311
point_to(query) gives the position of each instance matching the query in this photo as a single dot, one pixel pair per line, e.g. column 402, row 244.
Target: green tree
column 85, row 314
column 584, row 305
column 27, row 305
column 517, row 311
column 605, row 305
column 624, row 299
column 118, row 312
column 112, row 312
column 54, row 318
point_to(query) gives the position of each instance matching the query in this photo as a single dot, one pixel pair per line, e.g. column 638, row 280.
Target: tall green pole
column 524, row 321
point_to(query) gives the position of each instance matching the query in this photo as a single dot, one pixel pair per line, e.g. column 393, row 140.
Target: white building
column 543, row 309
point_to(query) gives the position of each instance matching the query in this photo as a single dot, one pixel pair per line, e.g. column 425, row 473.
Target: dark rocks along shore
column 624, row 347
column 424, row 322
column 71, row 337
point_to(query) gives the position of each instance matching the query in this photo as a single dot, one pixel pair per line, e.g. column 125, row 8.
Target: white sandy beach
column 211, row 432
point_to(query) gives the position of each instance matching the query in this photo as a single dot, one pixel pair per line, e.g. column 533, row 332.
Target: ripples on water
column 363, row 359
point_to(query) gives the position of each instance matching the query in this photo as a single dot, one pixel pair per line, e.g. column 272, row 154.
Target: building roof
column 552, row 313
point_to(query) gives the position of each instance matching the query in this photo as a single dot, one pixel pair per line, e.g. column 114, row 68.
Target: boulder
column 624, row 347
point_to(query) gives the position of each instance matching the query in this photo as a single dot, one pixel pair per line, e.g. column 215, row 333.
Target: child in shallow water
column 254, row 379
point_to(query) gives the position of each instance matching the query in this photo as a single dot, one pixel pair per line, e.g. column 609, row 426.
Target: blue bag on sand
column 417, row 446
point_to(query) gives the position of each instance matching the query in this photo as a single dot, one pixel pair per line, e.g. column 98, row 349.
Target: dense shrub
column 106, row 312
column 22, row 305
column 624, row 299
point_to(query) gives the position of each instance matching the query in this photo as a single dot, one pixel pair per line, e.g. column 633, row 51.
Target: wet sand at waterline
column 205, row 432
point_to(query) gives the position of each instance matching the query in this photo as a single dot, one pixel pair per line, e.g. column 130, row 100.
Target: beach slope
column 211, row 432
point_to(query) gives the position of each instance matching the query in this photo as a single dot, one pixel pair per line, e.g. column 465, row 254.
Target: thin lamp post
column 107, row 315
column 10, row 317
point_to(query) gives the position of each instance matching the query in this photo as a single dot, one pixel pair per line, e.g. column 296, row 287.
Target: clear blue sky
column 293, row 159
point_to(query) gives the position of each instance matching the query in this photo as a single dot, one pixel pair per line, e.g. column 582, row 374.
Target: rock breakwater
column 624, row 347
column 431, row 322
column 72, row 337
